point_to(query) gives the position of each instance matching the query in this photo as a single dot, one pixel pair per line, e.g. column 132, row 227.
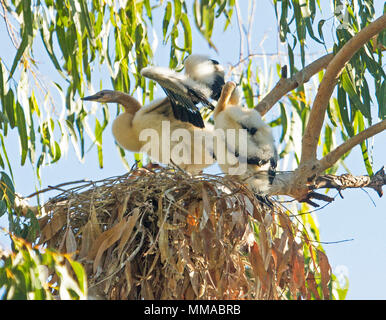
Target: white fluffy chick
column 251, row 155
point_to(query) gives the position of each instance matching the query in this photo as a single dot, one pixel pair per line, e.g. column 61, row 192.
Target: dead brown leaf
column 312, row 286
column 163, row 244
column 128, row 277
column 90, row 232
column 131, row 221
column 54, row 225
column 70, row 241
column 105, row 241
column 257, row 264
column 325, row 272
column 206, row 209
column 122, row 207
column 298, row 266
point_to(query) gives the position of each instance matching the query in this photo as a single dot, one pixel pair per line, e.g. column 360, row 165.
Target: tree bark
column 333, row 71
column 286, row 85
column 300, row 183
column 284, row 184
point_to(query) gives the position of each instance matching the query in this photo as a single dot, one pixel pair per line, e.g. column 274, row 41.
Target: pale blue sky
column 359, row 216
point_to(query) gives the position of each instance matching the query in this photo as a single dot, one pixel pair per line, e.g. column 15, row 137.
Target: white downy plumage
column 207, row 72
column 254, row 151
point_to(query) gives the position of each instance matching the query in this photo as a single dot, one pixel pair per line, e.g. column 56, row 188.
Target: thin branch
column 264, row 55
column 240, row 25
column 331, row 158
column 9, row 26
column 50, row 188
column 326, row 88
column 286, row 85
column 250, row 25
column 317, row 196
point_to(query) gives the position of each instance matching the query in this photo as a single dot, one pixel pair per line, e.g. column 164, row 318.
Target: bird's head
column 198, row 67
column 103, row 96
column 130, row 104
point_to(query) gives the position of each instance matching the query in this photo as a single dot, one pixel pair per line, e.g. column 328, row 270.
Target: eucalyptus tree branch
column 285, row 184
column 345, row 181
column 301, row 183
column 331, row 158
column 285, row 85
column 334, row 69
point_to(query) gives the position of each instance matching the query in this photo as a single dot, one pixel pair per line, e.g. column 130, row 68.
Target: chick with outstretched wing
column 203, row 80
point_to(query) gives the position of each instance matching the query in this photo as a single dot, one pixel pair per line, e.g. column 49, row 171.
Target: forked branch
column 331, row 158
column 301, row 183
column 334, row 69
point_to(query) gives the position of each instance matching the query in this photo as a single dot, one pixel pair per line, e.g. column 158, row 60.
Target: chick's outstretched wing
column 183, row 93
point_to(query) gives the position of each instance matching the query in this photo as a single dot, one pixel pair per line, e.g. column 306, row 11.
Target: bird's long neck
column 130, row 104
column 124, row 133
column 122, row 128
column 226, row 94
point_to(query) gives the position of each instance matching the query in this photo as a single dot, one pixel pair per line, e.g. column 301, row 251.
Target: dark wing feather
column 250, row 160
column 182, row 94
column 184, row 109
column 198, row 97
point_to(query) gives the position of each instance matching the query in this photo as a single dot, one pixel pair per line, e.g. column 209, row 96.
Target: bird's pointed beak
column 94, row 97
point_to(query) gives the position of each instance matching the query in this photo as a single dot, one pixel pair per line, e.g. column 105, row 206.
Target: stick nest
column 159, row 233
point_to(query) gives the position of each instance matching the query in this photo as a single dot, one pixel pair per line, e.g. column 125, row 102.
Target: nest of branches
column 159, row 233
